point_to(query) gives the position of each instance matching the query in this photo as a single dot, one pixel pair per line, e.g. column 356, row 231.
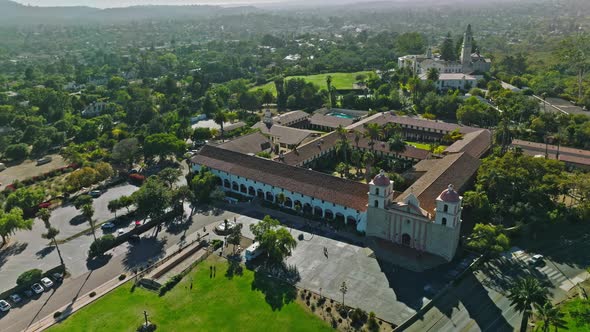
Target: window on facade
column 376, row 203
column 446, row 208
column 376, row 191
column 444, row 221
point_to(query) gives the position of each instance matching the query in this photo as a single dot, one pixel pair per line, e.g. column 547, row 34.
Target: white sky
column 126, row 3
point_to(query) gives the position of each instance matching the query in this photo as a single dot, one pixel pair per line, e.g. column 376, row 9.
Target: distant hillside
column 14, row 13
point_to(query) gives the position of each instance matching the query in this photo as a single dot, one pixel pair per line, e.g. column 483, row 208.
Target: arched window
column 444, row 221
column 376, row 191
column 446, row 208
column 376, row 203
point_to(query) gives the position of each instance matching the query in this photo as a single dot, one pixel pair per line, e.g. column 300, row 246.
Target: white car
column 4, row 306
column 536, row 260
column 38, row 289
column 47, row 282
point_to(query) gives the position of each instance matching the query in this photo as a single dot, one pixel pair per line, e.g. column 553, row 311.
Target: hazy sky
column 125, row 3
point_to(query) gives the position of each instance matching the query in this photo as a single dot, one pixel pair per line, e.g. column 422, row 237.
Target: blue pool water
column 340, row 115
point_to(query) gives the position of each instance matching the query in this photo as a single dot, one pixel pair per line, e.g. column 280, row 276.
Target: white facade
column 320, row 208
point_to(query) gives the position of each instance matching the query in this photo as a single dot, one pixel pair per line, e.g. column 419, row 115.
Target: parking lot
column 28, row 169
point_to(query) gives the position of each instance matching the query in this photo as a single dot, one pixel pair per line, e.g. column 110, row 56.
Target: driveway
column 28, row 169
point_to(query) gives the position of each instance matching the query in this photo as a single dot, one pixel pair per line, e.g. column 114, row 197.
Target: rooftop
column 285, row 135
column 475, row 143
column 296, row 179
column 289, row 117
column 252, row 143
column 383, row 118
column 329, row 121
column 456, row 169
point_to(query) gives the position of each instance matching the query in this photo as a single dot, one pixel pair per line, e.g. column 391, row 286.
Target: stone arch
column 218, row 181
column 351, row 221
column 288, row 202
column 226, row 183
column 339, row 217
column 328, row 214
column 317, row 211
column 297, row 202
column 406, row 239
column 235, row 186
column 270, row 197
column 251, row 191
column 260, row 193
column 307, row 209
column 243, row 188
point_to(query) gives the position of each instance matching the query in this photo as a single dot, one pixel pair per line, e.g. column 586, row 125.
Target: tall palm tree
column 52, row 232
column 524, row 294
column 373, row 131
column 342, row 145
column 329, row 86
column 397, row 144
column 88, row 212
column 550, row 316
column 369, row 159
column 357, row 138
column 220, row 117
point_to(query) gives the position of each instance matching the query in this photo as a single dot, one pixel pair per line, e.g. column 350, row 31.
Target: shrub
column 170, row 284
column 29, row 277
column 101, row 245
column 122, row 277
column 372, row 323
column 92, row 294
column 216, row 244
column 56, row 314
column 358, row 317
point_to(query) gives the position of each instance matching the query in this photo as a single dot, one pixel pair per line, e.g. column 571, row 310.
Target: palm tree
column 52, row 232
column 329, row 86
column 550, row 316
column 433, row 74
column 524, row 294
column 357, row 138
column 88, row 212
column 356, row 159
column 220, row 117
column 373, row 131
column 281, row 198
column 369, row 159
column 397, row 144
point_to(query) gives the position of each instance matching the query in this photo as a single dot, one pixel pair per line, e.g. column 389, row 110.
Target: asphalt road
column 28, row 250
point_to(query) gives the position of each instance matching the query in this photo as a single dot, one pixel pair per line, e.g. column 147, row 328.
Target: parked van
column 2, row 167
column 44, row 160
column 253, row 251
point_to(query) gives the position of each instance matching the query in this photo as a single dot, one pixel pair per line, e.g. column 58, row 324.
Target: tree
column 342, row 145
column 25, row 198
column 113, row 206
column 524, row 294
column 329, row 87
column 342, row 169
column 281, row 198
column 82, row 200
column 29, row 277
column 397, row 144
column 574, row 52
column 488, row 239
column 447, row 49
column 12, row 221
column 169, row 176
column 126, row 151
column 433, row 74
column 410, row 43
column 276, row 241
column 83, row 177
column 550, row 316
column 99, row 246
column 235, row 236
column 163, row 145
column 153, row 198
column 201, row 134
column 88, row 213
column 17, row 152
column 220, row 118
column 372, row 132
column 52, row 232
column 343, row 290
column 368, row 159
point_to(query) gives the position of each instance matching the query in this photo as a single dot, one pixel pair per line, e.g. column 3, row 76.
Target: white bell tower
column 380, row 191
column 448, row 208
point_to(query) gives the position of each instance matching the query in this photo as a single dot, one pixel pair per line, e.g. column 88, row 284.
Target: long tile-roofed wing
column 296, row 179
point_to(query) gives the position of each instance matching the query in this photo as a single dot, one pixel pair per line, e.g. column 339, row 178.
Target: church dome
column 450, row 195
column 381, row 180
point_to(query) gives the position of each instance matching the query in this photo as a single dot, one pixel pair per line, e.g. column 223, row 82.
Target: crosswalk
column 556, row 277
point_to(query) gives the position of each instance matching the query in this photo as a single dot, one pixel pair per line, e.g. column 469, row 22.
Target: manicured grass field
column 577, row 314
column 339, row 81
column 226, row 302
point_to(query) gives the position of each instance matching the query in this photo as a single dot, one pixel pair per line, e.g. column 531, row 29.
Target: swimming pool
column 340, row 115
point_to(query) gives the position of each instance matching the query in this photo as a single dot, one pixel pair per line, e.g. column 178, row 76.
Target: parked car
column 47, row 282
column 134, row 238
column 95, row 193
column 28, row 293
column 57, row 276
column 38, row 289
column 107, row 226
column 2, row 167
column 4, row 306
column 120, row 231
column 537, row 260
column 44, row 160
column 15, row 298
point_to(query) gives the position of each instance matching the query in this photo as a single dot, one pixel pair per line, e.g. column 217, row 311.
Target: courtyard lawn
column 227, row 302
column 426, row 146
column 339, row 81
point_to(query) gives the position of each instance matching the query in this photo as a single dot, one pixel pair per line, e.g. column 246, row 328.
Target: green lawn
column 577, row 314
column 247, row 302
column 426, row 146
column 339, row 81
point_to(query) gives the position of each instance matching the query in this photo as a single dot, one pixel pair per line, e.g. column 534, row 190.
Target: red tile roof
column 296, row 179
column 383, row 118
column 475, row 143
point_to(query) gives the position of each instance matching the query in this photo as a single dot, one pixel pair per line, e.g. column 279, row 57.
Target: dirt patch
column 28, row 169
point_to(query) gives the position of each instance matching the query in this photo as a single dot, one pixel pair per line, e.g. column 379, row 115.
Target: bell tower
column 448, row 208
column 466, row 49
column 380, row 191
